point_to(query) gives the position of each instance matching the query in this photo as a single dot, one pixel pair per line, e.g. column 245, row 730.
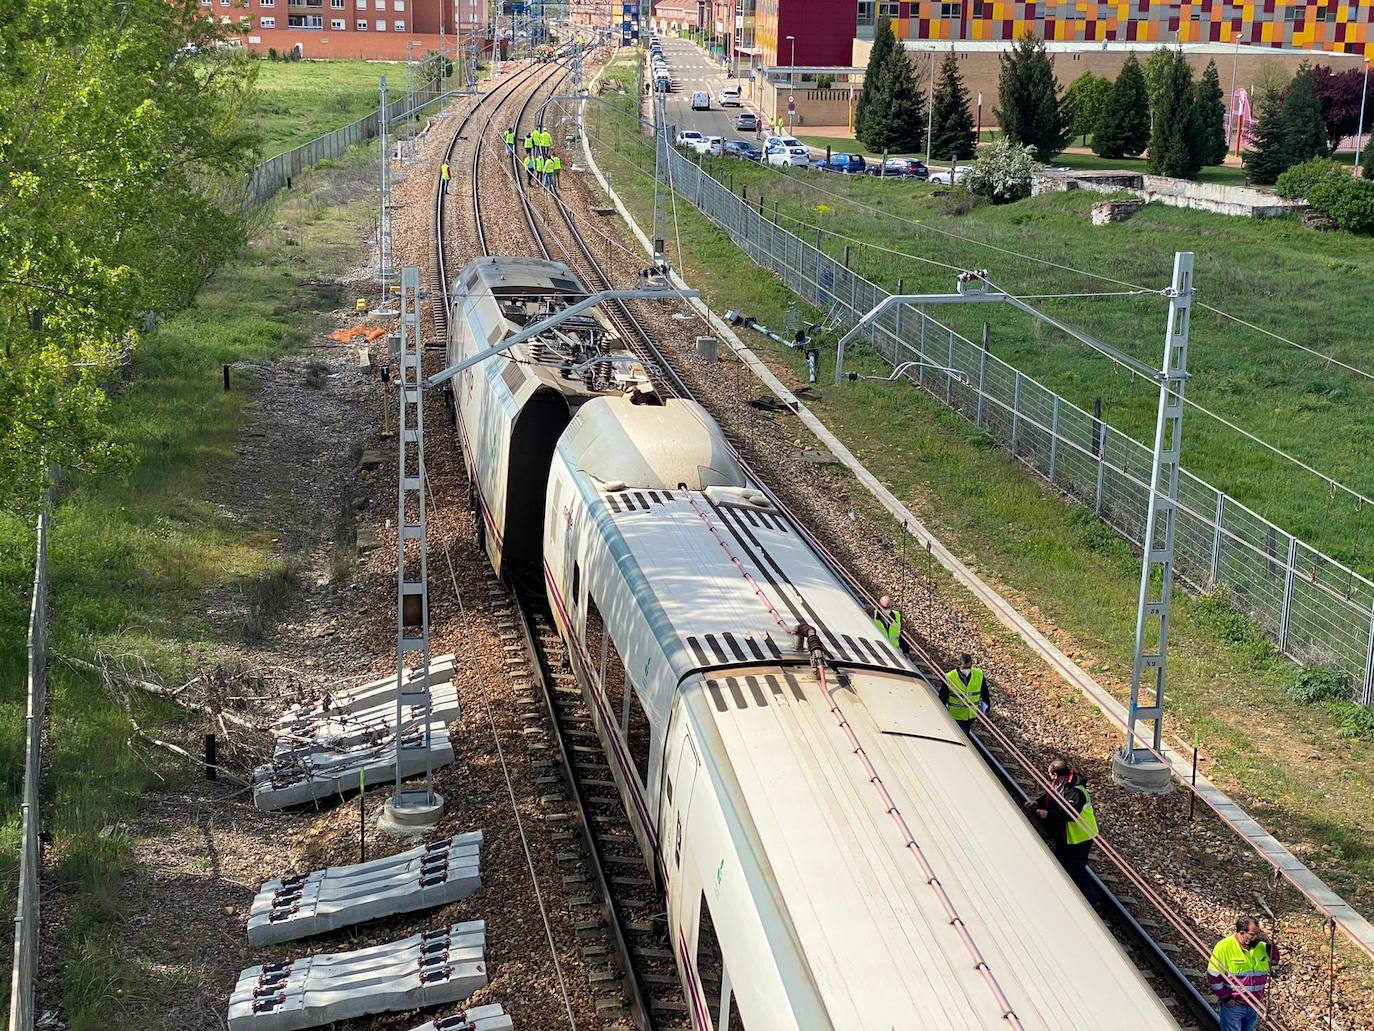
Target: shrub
column 1003, row 172
column 1298, row 181
column 1353, row 720
column 1319, row 684
column 1331, row 190
column 824, row 81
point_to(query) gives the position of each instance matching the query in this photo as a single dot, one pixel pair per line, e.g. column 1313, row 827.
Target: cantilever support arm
column 995, row 296
column 534, row 329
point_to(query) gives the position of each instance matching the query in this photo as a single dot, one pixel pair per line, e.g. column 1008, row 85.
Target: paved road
column 693, row 70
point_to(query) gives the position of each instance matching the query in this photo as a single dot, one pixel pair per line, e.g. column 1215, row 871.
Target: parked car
column 712, row 145
column 899, row 168
column 849, row 163
column 789, row 157
column 747, row 121
column 745, row 149
column 729, row 97
column 663, row 83
column 948, row 177
column 688, row 138
column 701, row 100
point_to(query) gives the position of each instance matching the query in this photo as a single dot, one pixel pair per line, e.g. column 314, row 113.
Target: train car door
column 679, row 806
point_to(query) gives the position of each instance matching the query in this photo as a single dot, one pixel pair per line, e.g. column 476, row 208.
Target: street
column 693, row 70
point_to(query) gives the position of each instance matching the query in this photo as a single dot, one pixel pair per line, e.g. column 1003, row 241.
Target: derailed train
column 754, row 784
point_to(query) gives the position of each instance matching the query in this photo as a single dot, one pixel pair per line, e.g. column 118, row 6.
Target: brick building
column 368, row 29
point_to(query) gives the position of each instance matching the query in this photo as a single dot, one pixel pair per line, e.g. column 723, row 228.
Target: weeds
column 266, row 597
column 1314, row 684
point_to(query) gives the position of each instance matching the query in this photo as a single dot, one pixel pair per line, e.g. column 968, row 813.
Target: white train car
column 793, row 900
column 511, row 409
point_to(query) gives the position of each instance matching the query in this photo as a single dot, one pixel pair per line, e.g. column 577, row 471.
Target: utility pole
column 384, row 199
column 930, row 114
column 661, row 143
column 1364, row 92
column 413, row 808
column 1138, row 768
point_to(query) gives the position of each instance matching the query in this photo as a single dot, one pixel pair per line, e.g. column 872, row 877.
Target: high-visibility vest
column 443, row 171
column 1248, row 968
column 529, row 164
column 557, row 163
column 1082, row 827
column 529, row 141
column 539, row 165
column 963, row 700
column 893, row 630
column 508, row 136
column 547, row 137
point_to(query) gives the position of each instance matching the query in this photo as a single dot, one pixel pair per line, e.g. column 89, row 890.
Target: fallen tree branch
column 173, row 694
column 180, row 752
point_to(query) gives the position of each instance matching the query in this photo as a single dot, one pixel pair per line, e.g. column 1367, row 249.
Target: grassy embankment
column 1284, row 760
column 131, row 560
column 299, row 100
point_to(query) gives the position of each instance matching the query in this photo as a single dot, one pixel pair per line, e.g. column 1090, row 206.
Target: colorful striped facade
column 1334, row 25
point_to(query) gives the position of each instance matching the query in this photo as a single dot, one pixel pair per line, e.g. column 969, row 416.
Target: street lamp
column 791, row 84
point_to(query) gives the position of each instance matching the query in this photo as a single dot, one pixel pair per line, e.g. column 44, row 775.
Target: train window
column 710, row 964
column 595, row 639
column 638, row 736
column 576, row 586
column 613, row 684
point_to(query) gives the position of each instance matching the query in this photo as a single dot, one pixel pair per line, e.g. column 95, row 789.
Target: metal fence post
column 982, row 374
column 1215, row 573
column 1367, row 696
column 1015, row 411
column 949, row 372
column 921, row 354
column 1054, row 437
column 1288, row 593
column 1101, row 468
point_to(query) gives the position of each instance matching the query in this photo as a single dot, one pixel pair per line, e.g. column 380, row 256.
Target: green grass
column 1226, row 683
column 299, row 100
column 131, row 562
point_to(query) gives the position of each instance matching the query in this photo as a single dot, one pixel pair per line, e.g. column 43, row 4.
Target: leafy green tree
column 1210, row 113
column 1174, row 140
column 1003, row 172
column 884, row 42
column 1124, row 128
column 125, row 141
column 953, row 135
column 1029, row 108
column 1367, row 162
column 1156, row 65
column 1289, row 132
column 1086, row 99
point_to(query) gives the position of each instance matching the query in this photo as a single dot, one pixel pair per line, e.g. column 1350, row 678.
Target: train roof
column 879, row 945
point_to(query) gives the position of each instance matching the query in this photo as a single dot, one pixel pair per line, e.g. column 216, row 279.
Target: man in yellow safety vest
column 529, row 142
column 539, row 161
column 553, row 172
column 1238, row 973
column 888, row 620
column 965, row 692
column 529, row 167
column 1065, row 813
column 443, row 177
column 509, row 137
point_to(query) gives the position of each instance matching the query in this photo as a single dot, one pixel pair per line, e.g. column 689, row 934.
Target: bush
column 1319, row 684
column 1003, row 172
column 1331, row 190
column 824, row 81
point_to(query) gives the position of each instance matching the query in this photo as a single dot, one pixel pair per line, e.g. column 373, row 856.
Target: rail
column 26, row 909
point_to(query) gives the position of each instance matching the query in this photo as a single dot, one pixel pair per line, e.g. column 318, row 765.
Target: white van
column 701, row 100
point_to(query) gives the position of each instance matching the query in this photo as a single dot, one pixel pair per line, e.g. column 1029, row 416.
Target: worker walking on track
column 529, row 143
column 557, row 167
column 888, row 620
column 965, row 692
column 539, row 169
column 509, row 137
column 443, row 177
column 1065, row 814
column 529, row 167
column 1238, row 973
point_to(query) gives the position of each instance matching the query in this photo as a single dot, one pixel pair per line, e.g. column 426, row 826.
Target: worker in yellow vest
column 529, row 142
column 529, row 167
column 548, row 141
column 1238, row 973
column 1065, row 814
column 539, row 161
column 965, row 692
column 443, row 177
column 888, row 620
column 553, row 172
column 509, row 137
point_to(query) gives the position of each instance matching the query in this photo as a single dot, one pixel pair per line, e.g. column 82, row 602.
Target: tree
column 1086, row 99
column 1156, row 65
column 896, row 115
column 1029, row 108
column 1174, row 139
column 1003, row 172
column 125, row 136
column 1289, row 132
column 952, row 135
column 1339, row 95
column 884, row 42
column 1367, row 162
column 1124, row 128
column 1210, row 114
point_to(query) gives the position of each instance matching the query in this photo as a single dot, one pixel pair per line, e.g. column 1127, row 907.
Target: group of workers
column 542, row 165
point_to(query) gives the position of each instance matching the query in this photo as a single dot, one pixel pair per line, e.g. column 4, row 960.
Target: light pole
column 1359, row 135
column 930, row 115
column 791, row 84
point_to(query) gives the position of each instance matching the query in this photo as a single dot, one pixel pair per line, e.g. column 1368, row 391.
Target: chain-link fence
column 277, row 172
column 25, row 960
column 1314, row 608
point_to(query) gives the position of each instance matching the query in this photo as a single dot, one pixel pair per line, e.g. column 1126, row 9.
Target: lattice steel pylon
column 1137, row 767
column 420, row 805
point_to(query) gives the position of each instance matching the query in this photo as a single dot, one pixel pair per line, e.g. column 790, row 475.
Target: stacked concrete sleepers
column 363, row 715
column 323, row 774
column 479, row 1018
column 430, row 969
column 287, row 908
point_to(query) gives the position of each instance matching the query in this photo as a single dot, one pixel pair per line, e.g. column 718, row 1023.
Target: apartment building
column 366, row 29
